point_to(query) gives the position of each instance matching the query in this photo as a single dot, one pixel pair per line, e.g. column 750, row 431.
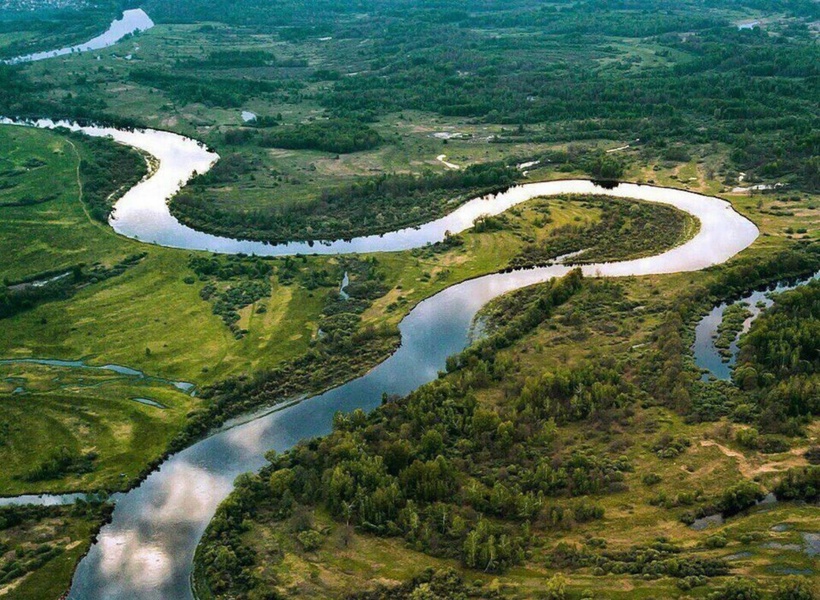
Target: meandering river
column 132, row 21
column 146, row 552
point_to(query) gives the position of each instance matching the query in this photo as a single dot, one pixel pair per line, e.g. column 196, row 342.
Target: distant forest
column 560, row 77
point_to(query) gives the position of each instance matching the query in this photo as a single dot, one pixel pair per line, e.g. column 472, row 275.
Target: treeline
column 341, row 136
column 210, row 91
column 370, row 205
column 59, row 284
column 232, row 59
column 107, row 171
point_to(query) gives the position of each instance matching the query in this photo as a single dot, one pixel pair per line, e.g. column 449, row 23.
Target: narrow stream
column 707, row 355
column 146, row 552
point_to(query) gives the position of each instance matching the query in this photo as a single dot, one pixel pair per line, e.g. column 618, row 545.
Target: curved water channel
column 146, row 552
column 707, row 355
column 132, row 21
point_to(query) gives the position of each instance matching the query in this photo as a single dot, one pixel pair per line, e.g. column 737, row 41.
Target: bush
column 795, row 588
column 738, row 589
column 740, row 497
column 311, row 540
column 651, row 479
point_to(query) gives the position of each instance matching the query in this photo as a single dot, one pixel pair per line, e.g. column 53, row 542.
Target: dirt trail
column 747, row 469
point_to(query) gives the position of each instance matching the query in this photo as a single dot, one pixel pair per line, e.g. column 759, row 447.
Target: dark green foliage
column 740, row 497
column 786, row 340
column 369, row 205
column 731, row 325
column 60, row 463
column 248, row 282
column 738, row 589
column 57, row 284
column 335, row 135
column 658, row 559
column 210, row 91
column 668, row 446
column 799, row 484
column 795, row 588
column 779, row 362
column 233, row 59
column 108, row 170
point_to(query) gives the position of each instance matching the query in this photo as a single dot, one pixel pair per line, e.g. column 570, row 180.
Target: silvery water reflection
column 131, row 21
column 707, row 355
column 143, row 214
column 147, row 550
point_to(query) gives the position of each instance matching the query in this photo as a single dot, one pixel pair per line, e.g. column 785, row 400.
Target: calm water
column 80, row 364
column 147, row 550
column 131, row 21
column 707, row 355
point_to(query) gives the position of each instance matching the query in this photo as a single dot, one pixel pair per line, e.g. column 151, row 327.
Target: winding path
column 147, row 550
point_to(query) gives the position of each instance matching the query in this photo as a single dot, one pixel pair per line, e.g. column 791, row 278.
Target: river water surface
column 146, row 552
column 707, row 355
column 131, row 21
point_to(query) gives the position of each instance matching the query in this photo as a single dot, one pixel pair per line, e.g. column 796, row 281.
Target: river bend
column 146, row 552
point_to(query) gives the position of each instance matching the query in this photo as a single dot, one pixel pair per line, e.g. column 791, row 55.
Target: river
column 146, row 552
column 132, row 21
